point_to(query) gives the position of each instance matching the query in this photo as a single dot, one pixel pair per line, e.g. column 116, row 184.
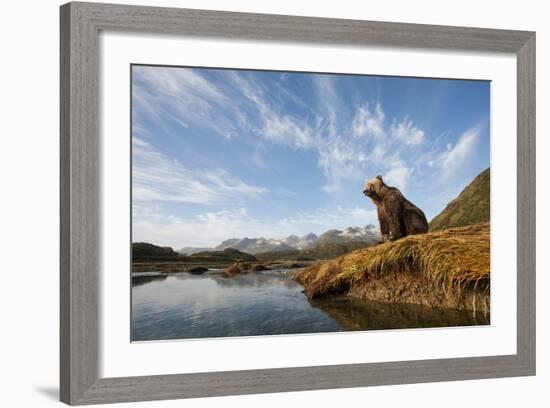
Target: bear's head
column 373, row 187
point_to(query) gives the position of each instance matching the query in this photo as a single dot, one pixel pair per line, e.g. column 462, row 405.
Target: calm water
column 210, row 305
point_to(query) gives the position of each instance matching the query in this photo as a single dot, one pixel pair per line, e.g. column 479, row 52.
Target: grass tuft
column 456, row 258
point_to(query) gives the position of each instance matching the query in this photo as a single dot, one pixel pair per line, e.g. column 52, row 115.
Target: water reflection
column 361, row 314
column 211, row 305
column 142, row 280
column 255, row 279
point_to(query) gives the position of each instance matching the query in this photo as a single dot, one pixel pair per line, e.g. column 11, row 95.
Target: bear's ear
column 379, row 177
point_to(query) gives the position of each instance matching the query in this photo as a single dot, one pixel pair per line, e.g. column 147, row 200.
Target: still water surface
column 186, row 306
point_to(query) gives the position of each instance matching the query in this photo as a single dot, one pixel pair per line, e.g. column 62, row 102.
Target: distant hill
column 228, row 254
column 300, row 242
column 260, row 245
column 328, row 245
column 318, row 251
column 254, row 245
column 472, row 206
column 143, row 251
column 192, row 250
column 293, row 244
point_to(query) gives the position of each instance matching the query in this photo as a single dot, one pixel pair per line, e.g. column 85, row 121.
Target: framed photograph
column 339, row 203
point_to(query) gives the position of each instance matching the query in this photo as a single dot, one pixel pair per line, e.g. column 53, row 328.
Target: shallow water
column 186, row 306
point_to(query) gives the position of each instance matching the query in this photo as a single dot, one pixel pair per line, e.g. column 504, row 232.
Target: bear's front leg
column 394, row 225
column 384, row 229
column 394, row 236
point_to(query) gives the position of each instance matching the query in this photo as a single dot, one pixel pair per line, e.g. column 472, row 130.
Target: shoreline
column 176, row 266
column 290, row 272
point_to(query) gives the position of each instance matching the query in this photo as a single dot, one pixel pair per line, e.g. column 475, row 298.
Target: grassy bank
column 448, row 268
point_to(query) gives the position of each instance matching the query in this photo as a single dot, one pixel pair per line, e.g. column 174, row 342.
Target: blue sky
column 219, row 154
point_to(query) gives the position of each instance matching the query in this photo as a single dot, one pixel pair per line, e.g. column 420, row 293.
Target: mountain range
column 368, row 234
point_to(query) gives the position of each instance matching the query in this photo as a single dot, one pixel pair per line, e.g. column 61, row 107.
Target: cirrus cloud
column 157, row 177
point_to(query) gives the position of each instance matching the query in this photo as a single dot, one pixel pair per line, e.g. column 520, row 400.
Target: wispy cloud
column 398, row 175
column 322, row 131
column 367, row 123
column 340, row 161
column 407, row 132
column 271, row 124
column 157, row 177
column 455, row 156
column 183, row 95
column 367, row 146
column 352, row 139
column 348, row 147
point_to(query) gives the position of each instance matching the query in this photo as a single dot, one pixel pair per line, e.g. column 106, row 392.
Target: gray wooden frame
column 80, row 189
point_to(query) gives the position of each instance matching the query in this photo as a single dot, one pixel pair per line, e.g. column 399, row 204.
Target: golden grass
column 454, row 258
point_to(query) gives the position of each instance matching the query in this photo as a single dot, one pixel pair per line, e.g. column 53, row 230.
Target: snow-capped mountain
column 369, row 233
column 192, row 250
column 300, row 242
column 254, row 245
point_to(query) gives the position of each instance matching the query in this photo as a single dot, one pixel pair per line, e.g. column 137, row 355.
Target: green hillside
column 142, row 251
column 146, row 252
column 472, row 206
column 228, row 254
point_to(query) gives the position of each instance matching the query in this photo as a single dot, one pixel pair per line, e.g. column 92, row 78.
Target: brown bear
column 398, row 216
